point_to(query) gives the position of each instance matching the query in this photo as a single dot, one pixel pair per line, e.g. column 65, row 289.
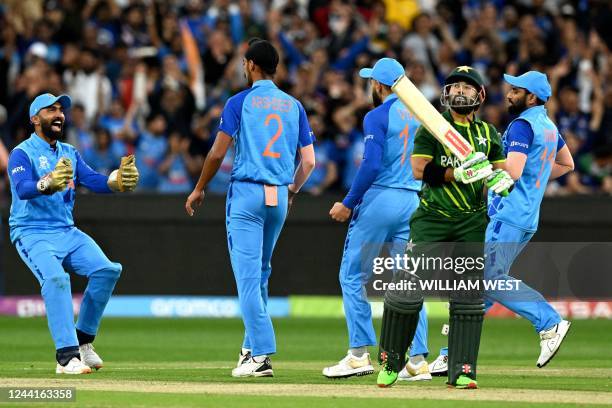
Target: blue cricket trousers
column 382, row 217
column 503, row 243
column 252, row 231
column 49, row 255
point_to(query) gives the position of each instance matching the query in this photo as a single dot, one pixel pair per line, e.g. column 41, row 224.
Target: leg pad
column 400, row 318
column 466, row 319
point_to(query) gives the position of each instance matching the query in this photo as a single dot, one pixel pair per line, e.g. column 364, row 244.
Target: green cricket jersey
column 452, row 199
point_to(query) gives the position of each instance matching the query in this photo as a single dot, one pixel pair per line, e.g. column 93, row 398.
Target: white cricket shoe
column 439, row 367
column 243, row 357
column 89, row 357
column 251, row 368
column 350, row 366
column 415, row 372
column 551, row 340
column 74, row 366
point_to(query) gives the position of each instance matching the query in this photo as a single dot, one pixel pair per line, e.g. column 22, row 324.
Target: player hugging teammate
column 452, row 209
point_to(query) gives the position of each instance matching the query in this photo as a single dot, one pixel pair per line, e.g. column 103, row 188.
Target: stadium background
column 151, row 78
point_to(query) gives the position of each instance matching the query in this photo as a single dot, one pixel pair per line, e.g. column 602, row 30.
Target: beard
column 48, row 131
column 518, row 107
column 461, row 104
column 463, row 110
column 375, row 98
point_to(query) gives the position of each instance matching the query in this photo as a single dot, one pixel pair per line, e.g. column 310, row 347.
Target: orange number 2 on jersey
column 267, row 152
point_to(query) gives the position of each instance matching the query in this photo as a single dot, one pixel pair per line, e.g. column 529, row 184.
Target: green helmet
column 465, row 73
column 461, row 101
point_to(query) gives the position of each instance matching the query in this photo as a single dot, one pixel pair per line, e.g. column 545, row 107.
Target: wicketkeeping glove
column 475, row 167
column 125, row 178
column 58, row 179
column 500, row 182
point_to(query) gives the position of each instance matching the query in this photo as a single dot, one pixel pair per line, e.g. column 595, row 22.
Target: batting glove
column 125, row 178
column 58, row 179
column 475, row 167
column 500, row 182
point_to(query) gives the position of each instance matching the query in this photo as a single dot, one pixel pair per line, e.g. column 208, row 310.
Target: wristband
column 434, row 174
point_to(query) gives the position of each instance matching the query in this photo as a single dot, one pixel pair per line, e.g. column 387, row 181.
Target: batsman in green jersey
column 452, row 209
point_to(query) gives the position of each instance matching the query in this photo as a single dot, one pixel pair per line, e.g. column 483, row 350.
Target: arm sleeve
column 230, row 117
column 560, row 143
column 22, row 176
column 91, row 179
column 372, row 160
column 306, row 136
column 519, row 137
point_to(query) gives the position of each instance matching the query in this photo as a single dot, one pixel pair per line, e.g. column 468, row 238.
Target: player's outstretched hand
column 339, row 212
column 58, row 179
column 125, row 178
column 475, row 167
column 195, row 198
column 500, row 182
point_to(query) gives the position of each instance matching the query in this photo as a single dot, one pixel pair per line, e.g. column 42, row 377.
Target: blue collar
column 390, row 97
column 264, row 82
column 40, row 143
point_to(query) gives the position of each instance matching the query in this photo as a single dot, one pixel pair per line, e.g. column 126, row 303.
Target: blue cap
column 43, row 101
column 385, row 71
column 533, row 81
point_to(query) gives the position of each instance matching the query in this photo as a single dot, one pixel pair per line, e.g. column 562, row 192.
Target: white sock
column 417, row 359
column 260, row 359
column 359, row 351
column 243, row 351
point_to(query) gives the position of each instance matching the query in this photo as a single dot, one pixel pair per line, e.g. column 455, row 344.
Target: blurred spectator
column 88, row 85
column 175, row 168
column 78, row 133
column 150, row 151
column 100, row 156
column 325, row 172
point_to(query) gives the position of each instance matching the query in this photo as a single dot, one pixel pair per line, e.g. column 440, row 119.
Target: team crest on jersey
column 43, row 163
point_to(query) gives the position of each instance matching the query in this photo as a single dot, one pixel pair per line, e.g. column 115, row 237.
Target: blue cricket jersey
column 535, row 135
column 32, row 211
column 389, row 140
column 267, row 126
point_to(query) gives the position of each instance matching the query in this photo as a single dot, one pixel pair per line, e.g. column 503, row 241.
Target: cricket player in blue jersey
column 382, row 198
column 268, row 129
column 43, row 174
column 536, row 153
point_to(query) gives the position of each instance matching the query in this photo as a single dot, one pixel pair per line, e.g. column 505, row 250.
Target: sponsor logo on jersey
column 17, row 169
column 43, row 162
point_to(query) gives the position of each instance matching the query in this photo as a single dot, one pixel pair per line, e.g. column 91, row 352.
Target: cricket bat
column 429, row 117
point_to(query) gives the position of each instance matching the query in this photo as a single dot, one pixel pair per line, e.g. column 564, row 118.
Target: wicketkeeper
column 43, row 174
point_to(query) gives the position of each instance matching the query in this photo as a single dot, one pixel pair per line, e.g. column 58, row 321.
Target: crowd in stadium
column 151, row 77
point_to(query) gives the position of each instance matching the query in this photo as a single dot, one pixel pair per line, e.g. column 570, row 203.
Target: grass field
column 164, row 362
